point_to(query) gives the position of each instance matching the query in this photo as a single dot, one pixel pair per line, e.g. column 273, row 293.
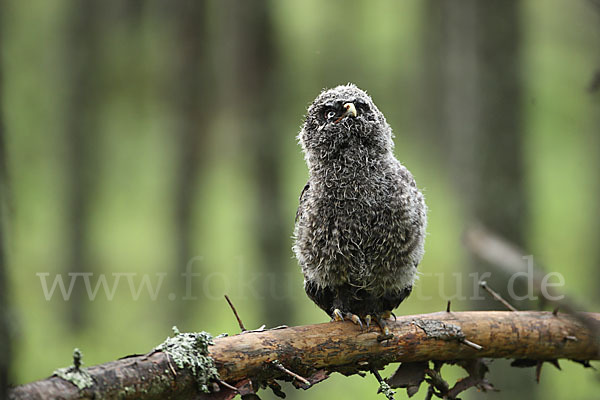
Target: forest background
column 144, row 140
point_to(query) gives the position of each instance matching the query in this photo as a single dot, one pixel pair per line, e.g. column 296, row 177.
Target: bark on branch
column 314, row 351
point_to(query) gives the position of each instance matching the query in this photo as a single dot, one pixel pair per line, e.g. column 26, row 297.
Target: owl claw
column 385, row 330
column 356, row 319
column 368, row 320
column 337, row 315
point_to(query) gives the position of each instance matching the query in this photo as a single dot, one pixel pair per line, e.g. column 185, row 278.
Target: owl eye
column 329, row 114
column 362, row 105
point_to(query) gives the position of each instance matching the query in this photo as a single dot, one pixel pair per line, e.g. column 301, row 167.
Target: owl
column 360, row 226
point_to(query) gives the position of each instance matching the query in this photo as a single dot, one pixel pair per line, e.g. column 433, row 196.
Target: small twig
column 555, row 311
column 384, row 387
column 471, row 344
column 436, row 380
column 170, row 366
column 260, row 329
column 77, row 357
column 278, row 327
column 240, row 323
column 429, row 394
column 377, row 375
column 448, row 306
column 505, row 255
column 496, row 296
column 555, row 363
column 228, row 386
column 280, row 367
column 594, row 84
column 538, row 371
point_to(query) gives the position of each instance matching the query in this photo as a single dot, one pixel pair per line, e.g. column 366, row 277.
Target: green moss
column 190, row 350
column 75, row 374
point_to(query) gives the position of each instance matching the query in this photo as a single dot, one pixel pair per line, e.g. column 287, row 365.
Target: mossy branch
column 250, row 360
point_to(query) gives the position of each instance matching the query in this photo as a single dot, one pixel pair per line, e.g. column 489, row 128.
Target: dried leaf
column 408, row 374
column 412, row 390
column 276, row 388
column 315, row 378
column 245, row 387
column 251, row 396
column 585, row 363
column 523, row 363
column 476, row 368
column 435, row 379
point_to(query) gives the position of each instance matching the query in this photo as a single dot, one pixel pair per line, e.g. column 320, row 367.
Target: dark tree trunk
column 474, row 87
column 132, row 11
column 596, row 94
column 596, row 212
column 594, row 89
column 189, row 78
column 81, row 72
column 256, row 99
column 479, row 101
column 5, row 336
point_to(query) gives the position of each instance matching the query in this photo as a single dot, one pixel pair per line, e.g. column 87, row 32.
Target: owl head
column 344, row 119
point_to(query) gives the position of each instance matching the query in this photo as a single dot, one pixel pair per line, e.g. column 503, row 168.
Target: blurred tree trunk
column 5, row 331
column 132, row 11
column 474, row 90
column 5, row 335
column 82, row 61
column 189, row 78
column 254, row 97
column 594, row 89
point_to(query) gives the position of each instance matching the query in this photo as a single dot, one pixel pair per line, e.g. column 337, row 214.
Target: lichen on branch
column 190, row 351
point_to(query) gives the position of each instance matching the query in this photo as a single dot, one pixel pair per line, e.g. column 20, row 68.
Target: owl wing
column 301, row 201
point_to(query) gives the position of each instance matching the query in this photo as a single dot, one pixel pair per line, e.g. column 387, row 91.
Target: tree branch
column 507, row 256
column 313, row 351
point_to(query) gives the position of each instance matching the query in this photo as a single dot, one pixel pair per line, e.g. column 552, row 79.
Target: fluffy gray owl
column 360, row 226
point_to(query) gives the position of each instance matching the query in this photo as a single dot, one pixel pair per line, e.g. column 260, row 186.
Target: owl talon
column 385, row 330
column 368, row 320
column 356, row 319
column 337, row 315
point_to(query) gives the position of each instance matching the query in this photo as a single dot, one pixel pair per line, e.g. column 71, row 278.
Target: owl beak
column 350, row 111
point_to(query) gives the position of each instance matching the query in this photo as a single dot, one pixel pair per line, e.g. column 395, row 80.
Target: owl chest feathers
column 361, row 225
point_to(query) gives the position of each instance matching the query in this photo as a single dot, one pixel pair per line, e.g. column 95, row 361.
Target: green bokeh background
column 377, row 45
